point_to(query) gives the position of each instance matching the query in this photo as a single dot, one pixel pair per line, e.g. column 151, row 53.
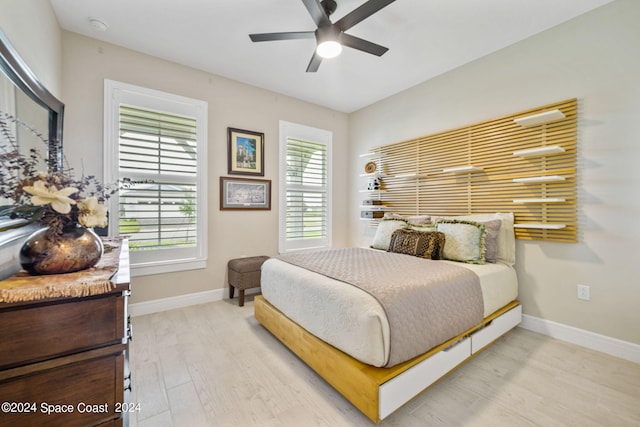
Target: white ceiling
column 425, row 38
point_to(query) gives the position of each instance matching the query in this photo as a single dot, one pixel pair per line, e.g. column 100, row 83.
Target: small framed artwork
column 245, row 194
column 245, row 152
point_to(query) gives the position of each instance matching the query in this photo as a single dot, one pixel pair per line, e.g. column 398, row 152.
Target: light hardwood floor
column 214, row 365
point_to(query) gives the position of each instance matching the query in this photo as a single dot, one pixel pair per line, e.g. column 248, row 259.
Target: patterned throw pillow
column 465, row 240
column 417, row 243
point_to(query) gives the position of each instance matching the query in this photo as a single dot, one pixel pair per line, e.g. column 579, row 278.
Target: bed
column 349, row 334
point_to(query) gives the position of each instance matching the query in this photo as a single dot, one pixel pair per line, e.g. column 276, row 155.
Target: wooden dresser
column 63, row 361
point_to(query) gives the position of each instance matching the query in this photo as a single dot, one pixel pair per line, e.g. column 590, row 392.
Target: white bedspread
column 351, row 319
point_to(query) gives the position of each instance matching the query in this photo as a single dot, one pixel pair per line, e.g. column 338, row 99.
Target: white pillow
column 385, row 229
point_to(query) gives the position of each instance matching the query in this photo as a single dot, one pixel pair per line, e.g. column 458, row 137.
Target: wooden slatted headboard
column 498, row 165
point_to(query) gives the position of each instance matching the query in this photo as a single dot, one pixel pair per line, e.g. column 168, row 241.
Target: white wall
column 594, row 58
column 33, row 30
column 87, row 62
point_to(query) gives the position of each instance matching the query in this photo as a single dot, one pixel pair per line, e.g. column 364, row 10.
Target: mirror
column 35, row 121
column 39, row 114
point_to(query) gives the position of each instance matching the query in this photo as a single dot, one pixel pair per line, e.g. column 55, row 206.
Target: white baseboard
column 164, row 304
column 602, row 343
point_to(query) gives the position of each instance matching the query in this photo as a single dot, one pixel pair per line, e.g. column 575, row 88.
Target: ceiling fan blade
column 293, row 35
column 363, row 45
column 317, row 12
column 314, row 64
column 359, row 14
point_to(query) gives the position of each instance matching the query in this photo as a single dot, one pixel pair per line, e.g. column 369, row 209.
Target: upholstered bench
column 244, row 273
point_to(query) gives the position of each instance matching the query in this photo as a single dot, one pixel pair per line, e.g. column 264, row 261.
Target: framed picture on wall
column 245, row 194
column 245, row 152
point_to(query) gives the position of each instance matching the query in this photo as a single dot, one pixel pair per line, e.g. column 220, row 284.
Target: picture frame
column 245, row 152
column 245, row 194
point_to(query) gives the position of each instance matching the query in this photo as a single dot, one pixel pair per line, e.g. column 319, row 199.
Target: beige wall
column 594, row 58
column 33, row 30
column 87, row 62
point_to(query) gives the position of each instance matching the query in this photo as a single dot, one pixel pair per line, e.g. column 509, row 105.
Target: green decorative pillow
column 385, row 229
column 417, row 243
column 465, row 240
column 506, row 239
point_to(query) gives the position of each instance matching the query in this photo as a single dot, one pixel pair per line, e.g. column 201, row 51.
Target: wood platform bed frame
column 377, row 392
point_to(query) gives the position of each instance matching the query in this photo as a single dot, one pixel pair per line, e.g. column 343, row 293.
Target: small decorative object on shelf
column 371, row 214
column 374, row 184
column 56, row 200
column 370, row 167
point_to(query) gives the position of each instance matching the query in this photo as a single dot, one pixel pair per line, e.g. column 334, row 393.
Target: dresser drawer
column 80, row 393
column 43, row 331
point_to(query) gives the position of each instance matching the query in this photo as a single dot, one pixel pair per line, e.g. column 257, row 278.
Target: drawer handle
column 127, row 382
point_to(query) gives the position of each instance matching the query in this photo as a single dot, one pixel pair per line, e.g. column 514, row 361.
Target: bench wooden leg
column 231, row 289
column 241, row 297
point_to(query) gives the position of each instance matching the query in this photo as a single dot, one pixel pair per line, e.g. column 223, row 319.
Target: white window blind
column 306, row 190
column 158, row 157
column 305, row 216
column 155, row 145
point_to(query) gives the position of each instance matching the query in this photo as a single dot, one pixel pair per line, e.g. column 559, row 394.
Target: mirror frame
column 21, row 75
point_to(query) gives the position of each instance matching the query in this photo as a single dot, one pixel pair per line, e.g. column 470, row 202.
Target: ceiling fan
column 330, row 37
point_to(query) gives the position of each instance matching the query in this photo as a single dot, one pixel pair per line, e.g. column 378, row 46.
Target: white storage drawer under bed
column 397, row 391
column 495, row 329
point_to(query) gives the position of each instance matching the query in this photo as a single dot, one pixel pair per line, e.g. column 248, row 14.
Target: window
column 155, row 145
column 305, row 187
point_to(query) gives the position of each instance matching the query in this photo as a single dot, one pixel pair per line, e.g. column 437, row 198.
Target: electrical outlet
column 584, row 292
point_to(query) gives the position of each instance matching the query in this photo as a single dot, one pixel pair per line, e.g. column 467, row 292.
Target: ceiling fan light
column 329, row 49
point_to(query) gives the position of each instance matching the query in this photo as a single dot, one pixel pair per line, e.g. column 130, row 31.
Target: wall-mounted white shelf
column 411, row 175
column 374, row 208
column 540, row 118
column 371, row 155
column 462, row 169
column 373, row 175
column 373, row 191
column 546, row 178
column 541, row 226
column 541, row 200
column 541, row 151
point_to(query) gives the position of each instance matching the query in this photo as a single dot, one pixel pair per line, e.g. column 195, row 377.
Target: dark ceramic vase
column 77, row 248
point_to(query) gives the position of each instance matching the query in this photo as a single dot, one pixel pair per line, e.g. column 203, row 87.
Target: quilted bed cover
column 356, row 320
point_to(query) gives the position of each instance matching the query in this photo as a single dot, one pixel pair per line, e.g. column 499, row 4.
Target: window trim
column 311, row 134
column 116, row 93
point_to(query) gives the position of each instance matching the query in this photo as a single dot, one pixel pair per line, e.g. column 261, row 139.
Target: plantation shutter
column 157, row 164
column 306, row 190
